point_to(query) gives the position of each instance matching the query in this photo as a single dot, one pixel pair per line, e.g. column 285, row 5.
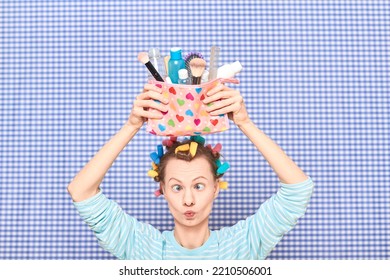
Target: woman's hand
column 140, row 112
column 225, row 100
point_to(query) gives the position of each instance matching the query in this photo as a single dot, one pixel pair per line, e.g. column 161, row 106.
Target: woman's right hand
column 140, row 112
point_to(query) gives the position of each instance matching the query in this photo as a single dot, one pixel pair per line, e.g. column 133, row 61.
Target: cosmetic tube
column 229, row 70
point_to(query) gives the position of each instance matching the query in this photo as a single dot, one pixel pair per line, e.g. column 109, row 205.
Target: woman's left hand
column 225, row 100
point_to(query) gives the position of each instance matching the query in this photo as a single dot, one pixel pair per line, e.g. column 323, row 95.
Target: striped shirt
column 252, row 238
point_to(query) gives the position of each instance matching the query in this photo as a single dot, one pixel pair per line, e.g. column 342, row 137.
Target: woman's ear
column 162, row 188
column 216, row 188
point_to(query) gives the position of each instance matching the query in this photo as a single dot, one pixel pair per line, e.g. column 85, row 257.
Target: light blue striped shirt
column 252, row 238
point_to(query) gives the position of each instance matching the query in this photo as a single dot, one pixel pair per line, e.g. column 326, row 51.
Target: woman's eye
column 199, row 187
column 176, row 188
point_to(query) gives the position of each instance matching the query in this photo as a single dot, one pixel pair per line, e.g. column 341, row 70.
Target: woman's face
column 190, row 189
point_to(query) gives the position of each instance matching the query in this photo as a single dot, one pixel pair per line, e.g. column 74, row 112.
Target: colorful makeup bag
column 187, row 113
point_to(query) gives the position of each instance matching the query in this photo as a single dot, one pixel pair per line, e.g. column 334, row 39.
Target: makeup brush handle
column 196, row 80
column 154, row 72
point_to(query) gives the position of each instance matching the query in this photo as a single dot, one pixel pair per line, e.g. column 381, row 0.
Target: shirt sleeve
column 114, row 229
column 276, row 216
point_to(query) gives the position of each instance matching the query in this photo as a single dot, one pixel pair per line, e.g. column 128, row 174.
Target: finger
column 145, row 104
column 218, row 105
column 140, row 113
column 152, row 87
column 220, row 95
column 225, row 110
column 152, row 115
column 214, row 90
column 152, row 95
column 223, row 103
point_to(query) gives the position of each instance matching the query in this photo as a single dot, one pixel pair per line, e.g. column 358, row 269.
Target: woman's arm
column 230, row 102
column 286, row 169
column 86, row 183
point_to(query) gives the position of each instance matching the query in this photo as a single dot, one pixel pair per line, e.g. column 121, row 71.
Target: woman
column 189, row 178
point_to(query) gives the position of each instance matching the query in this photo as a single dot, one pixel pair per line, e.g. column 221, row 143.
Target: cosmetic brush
column 143, row 57
column 214, row 60
column 197, row 66
column 190, row 56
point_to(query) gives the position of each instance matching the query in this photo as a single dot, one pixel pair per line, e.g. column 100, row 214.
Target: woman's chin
column 189, row 221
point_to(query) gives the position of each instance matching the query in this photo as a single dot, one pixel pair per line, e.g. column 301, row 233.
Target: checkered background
column 315, row 79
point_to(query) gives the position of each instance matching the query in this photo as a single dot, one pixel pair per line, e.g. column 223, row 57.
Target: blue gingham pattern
column 315, row 79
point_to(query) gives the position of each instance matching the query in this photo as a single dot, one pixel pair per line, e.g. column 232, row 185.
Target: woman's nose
column 189, row 199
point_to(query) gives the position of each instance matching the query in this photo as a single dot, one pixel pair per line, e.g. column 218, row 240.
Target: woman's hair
column 201, row 151
column 187, row 150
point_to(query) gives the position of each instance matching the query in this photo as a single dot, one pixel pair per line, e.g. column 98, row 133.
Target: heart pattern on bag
column 187, row 114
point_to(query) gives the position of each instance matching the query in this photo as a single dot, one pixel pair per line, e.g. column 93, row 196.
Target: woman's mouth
column 189, row 214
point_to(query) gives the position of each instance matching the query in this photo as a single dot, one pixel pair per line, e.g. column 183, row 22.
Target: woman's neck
column 191, row 237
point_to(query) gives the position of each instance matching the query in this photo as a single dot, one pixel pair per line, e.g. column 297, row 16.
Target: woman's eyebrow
column 175, row 179
column 192, row 180
column 199, row 177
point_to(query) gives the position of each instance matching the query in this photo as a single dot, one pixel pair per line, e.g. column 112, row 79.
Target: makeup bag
column 187, row 115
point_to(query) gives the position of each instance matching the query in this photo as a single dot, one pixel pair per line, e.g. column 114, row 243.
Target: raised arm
column 286, row 169
column 231, row 102
column 86, row 183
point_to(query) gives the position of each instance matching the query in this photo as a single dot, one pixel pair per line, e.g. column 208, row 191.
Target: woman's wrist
column 133, row 129
column 127, row 132
column 245, row 123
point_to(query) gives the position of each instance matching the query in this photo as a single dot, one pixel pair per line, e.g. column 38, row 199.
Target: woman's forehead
column 188, row 169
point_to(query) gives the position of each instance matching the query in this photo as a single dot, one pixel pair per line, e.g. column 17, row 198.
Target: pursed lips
column 189, row 214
